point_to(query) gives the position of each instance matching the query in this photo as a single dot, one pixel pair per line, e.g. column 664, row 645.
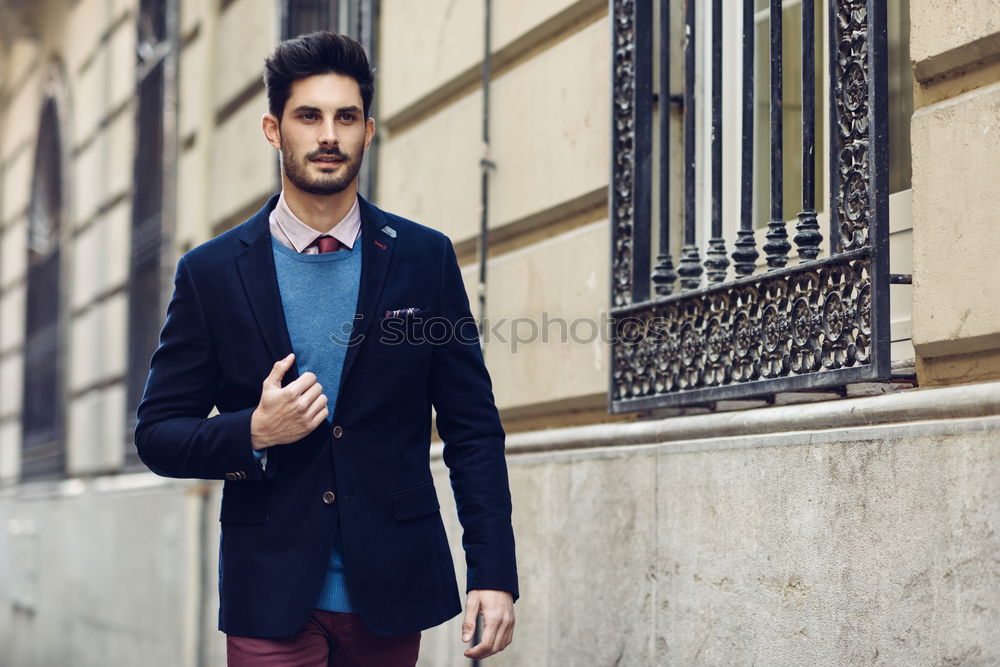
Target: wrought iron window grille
column 720, row 327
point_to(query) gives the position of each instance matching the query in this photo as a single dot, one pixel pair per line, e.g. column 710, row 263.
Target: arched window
column 152, row 194
column 43, row 446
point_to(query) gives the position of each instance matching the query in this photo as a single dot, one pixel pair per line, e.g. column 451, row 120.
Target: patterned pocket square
column 405, row 312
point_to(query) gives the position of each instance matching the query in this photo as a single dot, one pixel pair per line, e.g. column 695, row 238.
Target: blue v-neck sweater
column 319, row 294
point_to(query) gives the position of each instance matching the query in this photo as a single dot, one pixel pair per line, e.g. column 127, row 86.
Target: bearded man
column 304, row 327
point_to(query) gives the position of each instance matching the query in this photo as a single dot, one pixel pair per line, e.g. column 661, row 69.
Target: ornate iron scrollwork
column 623, row 151
column 815, row 324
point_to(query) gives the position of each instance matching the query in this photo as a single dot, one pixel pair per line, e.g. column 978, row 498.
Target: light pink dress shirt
column 297, row 235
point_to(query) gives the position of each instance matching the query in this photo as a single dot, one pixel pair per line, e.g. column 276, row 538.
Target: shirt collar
column 300, row 236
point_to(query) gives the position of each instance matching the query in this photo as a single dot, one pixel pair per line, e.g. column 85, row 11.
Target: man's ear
column 272, row 130
column 369, row 132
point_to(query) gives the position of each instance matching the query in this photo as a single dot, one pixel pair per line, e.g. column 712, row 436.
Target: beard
column 324, row 184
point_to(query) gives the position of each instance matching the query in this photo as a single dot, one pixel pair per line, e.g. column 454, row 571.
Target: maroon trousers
column 330, row 639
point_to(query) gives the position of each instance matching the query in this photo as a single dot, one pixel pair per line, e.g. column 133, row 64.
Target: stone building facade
column 853, row 525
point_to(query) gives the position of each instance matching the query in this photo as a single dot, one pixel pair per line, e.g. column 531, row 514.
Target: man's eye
column 308, row 116
column 347, row 117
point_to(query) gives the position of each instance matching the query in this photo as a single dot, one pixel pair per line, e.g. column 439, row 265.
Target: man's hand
column 287, row 414
column 497, row 610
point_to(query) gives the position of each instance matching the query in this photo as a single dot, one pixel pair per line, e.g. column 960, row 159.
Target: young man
column 305, row 327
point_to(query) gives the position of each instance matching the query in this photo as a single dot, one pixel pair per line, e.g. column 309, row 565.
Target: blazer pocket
column 244, row 503
column 415, row 502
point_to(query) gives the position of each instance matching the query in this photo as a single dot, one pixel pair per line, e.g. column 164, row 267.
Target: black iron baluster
column 777, row 245
column 716, row 261
column 690, row 265
column 664, row 276
column 745, row 255
column 808, row 236
column 643, row 150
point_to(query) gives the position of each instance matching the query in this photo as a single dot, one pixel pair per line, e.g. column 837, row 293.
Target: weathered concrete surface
column 858, row 552
column 874, row 552
column 94, row 578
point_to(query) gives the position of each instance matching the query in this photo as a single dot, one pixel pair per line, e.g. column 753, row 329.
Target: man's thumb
column 279, row 369
column 469, row 625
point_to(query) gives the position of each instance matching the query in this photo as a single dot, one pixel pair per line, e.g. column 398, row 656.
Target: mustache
column 328, row 152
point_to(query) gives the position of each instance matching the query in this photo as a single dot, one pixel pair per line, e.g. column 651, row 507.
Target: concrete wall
column 103, row 573
column 870, row 543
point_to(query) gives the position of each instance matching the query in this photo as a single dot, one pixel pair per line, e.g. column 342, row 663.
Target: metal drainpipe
column 203, row 494
column 486, row 165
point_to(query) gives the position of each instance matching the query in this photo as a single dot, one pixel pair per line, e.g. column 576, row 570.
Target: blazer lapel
column 256, row 266
column 376, row 255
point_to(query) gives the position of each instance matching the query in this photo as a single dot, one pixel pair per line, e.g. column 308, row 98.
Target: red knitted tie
column 328, row 244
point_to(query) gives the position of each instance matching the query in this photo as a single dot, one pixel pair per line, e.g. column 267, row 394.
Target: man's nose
column 327, row 133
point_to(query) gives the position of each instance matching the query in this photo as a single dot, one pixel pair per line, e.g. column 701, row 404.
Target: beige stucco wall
column 225, row 166
column 550, row 146
column 415, row 61
column 86, row 64
column 947, row 35
column 955, row 134
column 550, row 334
column 550, row 133
column 430, row 171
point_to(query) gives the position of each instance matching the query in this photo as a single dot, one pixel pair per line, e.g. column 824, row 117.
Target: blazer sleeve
column 173, row 434
column 469, row 425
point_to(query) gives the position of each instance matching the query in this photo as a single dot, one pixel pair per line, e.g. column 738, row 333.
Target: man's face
column 323, row 133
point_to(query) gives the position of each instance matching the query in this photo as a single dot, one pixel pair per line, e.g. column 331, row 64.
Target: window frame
column 43, row 435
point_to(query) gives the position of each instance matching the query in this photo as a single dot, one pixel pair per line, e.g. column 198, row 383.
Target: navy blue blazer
column 224, row 330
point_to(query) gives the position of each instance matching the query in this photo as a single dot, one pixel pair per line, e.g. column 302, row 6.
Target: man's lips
column 327, row 157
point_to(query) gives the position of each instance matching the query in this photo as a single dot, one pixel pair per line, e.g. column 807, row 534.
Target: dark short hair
column 316, row 53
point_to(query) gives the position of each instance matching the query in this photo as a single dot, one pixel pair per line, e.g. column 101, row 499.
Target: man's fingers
column 491, row 623
column 505, row 636
column 308, row 397
column 469, row 624
column 317, row 404
column 301, row 383
column 318, row 418
column 279, row 369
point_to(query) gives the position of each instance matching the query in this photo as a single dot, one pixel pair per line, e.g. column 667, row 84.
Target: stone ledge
column 902, row 408
column 971, row 55
column 124, row 483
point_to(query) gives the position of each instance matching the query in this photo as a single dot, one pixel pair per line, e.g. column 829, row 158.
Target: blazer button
column 338, row 432
column 329, row 497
